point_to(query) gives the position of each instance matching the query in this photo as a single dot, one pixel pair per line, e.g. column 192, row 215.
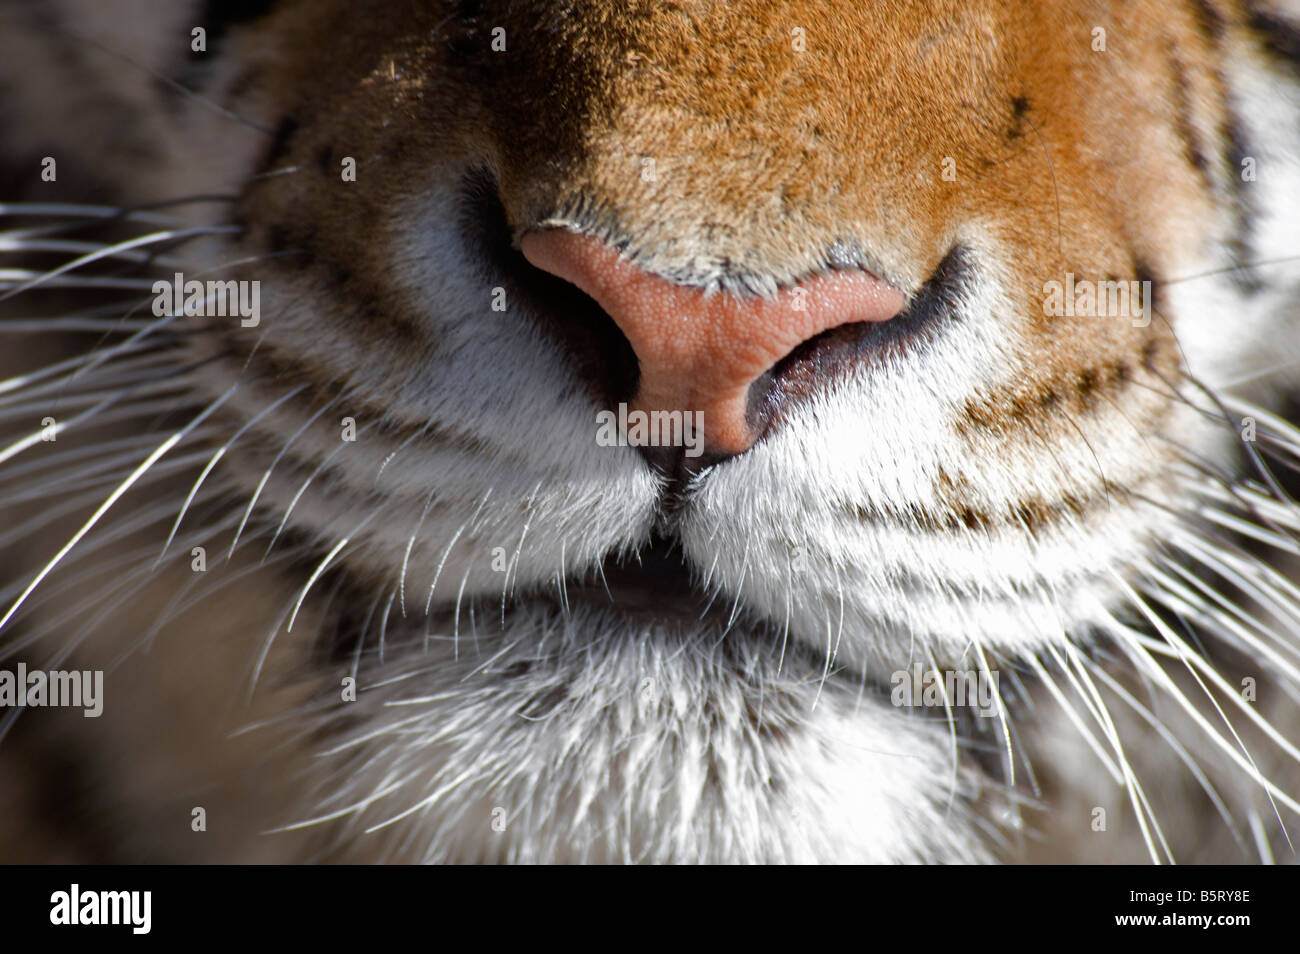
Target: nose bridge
column 642, row 118
column 699, row 351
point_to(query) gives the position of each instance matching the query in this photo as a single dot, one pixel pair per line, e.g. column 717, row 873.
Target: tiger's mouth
column 654, row 583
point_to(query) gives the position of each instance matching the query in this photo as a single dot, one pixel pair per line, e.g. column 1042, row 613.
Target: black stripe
column 1144, row 272
column 281, row 142
column 1237, row 148
column 1234, row 147
column 1278, row 37
column 1208, row 21
column 1184, row 122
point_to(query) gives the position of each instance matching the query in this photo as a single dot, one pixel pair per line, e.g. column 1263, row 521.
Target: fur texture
column 984, row 486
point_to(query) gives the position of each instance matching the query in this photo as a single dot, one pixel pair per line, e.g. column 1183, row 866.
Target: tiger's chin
column 635, row 714
column 616, row 723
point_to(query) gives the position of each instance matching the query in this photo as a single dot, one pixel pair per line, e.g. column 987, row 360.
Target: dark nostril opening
column 599, row 350
column 836, row 352
column 805, row 370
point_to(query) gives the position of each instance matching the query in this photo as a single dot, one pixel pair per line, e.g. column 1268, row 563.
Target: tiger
column 649, row 431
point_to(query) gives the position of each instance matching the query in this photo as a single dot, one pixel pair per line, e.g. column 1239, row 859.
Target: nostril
column 805, row 370
column 834, row 353
column 598, row 349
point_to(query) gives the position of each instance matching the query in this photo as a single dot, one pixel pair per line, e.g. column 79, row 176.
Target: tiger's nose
column 703, row 352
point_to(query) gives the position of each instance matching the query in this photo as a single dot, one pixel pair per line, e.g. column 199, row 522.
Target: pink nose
column 702, row 353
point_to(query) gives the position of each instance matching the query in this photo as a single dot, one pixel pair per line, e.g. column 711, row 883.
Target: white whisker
column 122, row 488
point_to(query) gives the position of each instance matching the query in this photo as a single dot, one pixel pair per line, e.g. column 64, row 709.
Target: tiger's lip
column 655, row 580
column 654, row 583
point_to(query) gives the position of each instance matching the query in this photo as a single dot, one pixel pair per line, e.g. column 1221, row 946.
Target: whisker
column 76, row 582
column 1195, row 666
column 216, row 458
column 1184, row 756
column 112, row 498
column 307, row 483
column 127, row 245
column 1233, row 269
column 14, row 280
column 266, row 476
column 167, row 80
column 1146, row 817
